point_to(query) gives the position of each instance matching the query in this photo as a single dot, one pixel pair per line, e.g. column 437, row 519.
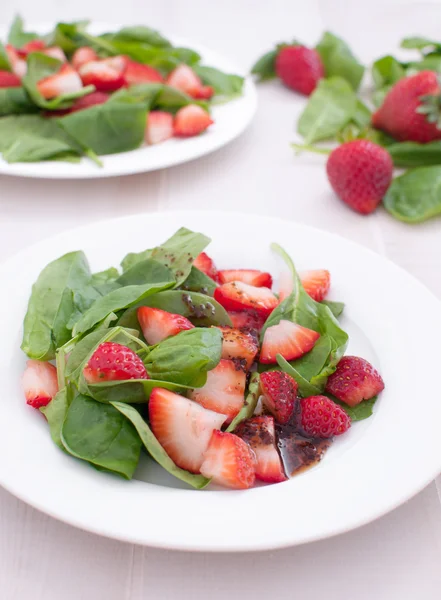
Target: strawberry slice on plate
column 39, row 383
column 136, row 73
column 316, row 283
column 106, row 75
column 82, row 56
column 224, row 390
column 185, row 79
column 157, row 324
column 249, row 276
column 239, row 346
column 206, row 264
column 280, row 394
column 323, row 418
column 159, row 127
column 18, row 65
column 241, row 296
column 259, row 434
column 182, row 427
column 55, row 52
column 247, row 320
column 66, row 81
column 191, row 120
column 354, row 380
column 288, row 339
column 229, row 461
column 32, row 46
column 8, row 79
column 114, row 362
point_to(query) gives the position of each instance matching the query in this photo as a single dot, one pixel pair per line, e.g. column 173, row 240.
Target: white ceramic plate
column 392, row 320
column 230, row 120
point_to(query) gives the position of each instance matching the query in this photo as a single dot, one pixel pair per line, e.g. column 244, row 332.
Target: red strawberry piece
column 106, row 75
column 354, row 380
column 55, row 52
column 247, row 320
column 159, row 127
column 229, row 461
column 250, row 276
column 82, row 56
column 88, row 101
column 205, row 264
column 259, row 434
column 239, row 346
column 191, row 120
column 66, row 81
column 300, row 68
column 224, row 391
column 323, row 418
column 157, row 324
column 185, row 79
column 114, row 362
column 316, row 283
column 205, row 92
column 182, row 427
column 400, row 115
column 280, row 394
column 288, row 339
column 18, row 65
column 360, row 173
column 32, row 46
column 241, row 296
column 39, row 383
column 8, row 79
column 136, row 73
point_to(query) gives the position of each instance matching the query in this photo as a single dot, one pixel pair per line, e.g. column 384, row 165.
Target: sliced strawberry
column 354, row 380
column 191, row 120
column 55, row 52
column 247, row 320
column 82, row 56
column 288, row 339
column 239, row 346
column 66, row 81
column 286, row 285
column 8, row 79
column 182, row 427
column 259, row 434
column 205, row 264
column 205, row 92
column 106, row 75
column 159, row 127
column 224, row 391
column 280, row 394
column 241, row 296
column 229, row 461
column 249, row 276
column 114, row 362
column 185, row 79
column 316, row 283
column 32, row 46
column 136, row 73
column 18, row 65
column 323, row 418
column 39, row 383
column 157, row 324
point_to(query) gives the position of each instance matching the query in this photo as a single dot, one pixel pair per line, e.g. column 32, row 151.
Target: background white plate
column 392, row 320
column 230, row 120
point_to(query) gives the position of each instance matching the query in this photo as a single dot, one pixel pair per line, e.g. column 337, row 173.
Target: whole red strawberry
column 114, row 362
column 360, row 173
column 323, row 418
column 354, row 380
column 300, row 68
column 410, row 111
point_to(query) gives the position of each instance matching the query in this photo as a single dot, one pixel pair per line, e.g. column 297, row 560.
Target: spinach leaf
column 428, row 63
column 116, row 300
column 305, row 388
column 171, row 100
column 199, row 282
column 15, row 101
column 177, row 253
column 335, row 307
column 55, row 413
column 200, row 309
column 17, row 36
column 386, row 71
column 265, row 67
column 68, row 36
column 362, row 115
column 186, row 357
column 330, row 107
column 51, row 304
column 360, row 412
column 224, row 84
column 140, row 33
column 135, row 391
column 105, row 281
column 102, row 435
column 155, row 449
column 413, row 154
column 416, row 195
column 250, row 404
column 311, row 364
column 420, row 43
column 338, row 60
column 163, row 59
column 4, row 60
column 145, row 271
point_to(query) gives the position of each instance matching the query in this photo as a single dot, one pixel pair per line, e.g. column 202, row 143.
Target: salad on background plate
column 207, row 371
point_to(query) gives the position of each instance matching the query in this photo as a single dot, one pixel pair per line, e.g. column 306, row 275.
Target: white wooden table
column 398, row 556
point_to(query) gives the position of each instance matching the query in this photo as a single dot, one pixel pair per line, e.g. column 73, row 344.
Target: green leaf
column 362, row 115
column 199, row 282
column 202, row 310
column 312, row 364
column 51, row 305
column 55, row 413
column 415, row 196
column 226, row 85
column 265, row 67
column 155, row 450
column 419, row 43
column 105, row 281
column 250, row 403
column 335, row 307
column 135, row 391
column 386, row 71
column 413, row 154
column 330, row 107
column 305, row 388
column 428, row 63
column 140, row 33
column 68, row 36
column 360, row 412
column 339, row 61
column 17, row 36
column 100, row 434
column 186, row 357
column 4, row 60
column 145, row 271
column 116, row 300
